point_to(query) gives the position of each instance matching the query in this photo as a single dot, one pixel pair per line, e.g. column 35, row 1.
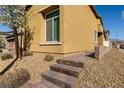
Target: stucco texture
column 77, row 26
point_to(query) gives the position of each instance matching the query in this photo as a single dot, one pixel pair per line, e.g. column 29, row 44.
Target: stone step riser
column 57, row 82
column 65, row 71
column 71, row 63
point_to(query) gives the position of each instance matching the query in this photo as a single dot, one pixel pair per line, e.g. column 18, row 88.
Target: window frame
column 95, row 37
column 53, row 41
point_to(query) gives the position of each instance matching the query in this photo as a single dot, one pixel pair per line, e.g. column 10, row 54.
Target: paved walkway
column 80, row 57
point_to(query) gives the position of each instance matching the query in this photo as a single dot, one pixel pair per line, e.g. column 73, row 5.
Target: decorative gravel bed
column 35, row 65
column 107, row 72
column 5, row 63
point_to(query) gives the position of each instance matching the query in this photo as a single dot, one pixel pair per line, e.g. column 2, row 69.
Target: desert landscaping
column 107, row 72
column 45, row 46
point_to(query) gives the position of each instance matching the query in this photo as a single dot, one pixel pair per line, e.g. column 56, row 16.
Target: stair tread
column 71, row 62
column 75, row 61
column 61, row 77
column 40, row 84
column 44, row 83
column 67, row 67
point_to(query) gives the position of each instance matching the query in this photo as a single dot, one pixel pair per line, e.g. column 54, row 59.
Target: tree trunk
column 25, row 50
column 25, row 39
column 21, row 48
column 16, row 42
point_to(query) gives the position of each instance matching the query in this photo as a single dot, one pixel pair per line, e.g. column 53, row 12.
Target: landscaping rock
column 49, row 58
column 14, row 79
column 6, row 56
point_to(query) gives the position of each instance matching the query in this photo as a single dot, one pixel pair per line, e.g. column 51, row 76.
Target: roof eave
column 96, row 14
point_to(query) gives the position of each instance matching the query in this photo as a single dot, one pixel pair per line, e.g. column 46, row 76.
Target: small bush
column 6, row 56
column 49, row 58
column 15, row 79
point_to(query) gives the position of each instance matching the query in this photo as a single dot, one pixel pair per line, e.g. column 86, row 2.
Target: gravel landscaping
column 107, row 72
column 34, row 64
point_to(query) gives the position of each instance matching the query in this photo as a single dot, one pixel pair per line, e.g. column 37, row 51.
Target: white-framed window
column 95, row 36
column 52, row 26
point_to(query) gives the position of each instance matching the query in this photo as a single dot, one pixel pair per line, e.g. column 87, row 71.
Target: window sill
column 95, row 42
column 51, row 43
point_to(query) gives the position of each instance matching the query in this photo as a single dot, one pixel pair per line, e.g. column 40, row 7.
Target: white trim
column 45, row 31
column 51, row 43
column 52, row 29
column 52, row 18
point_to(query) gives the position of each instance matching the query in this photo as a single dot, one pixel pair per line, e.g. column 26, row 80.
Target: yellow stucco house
column 65, row 29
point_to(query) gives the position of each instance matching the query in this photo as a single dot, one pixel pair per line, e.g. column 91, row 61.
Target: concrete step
column 40, row 84
column 71, row 63
column 66, row 69
column 60, row 79
column 48, row 84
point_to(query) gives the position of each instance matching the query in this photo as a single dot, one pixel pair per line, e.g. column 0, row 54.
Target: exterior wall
column 106, row 43
column 37, row 26
column 77, row 26
column 101, row 39
column 106, row 36
column 9, row 45
column 100, row 51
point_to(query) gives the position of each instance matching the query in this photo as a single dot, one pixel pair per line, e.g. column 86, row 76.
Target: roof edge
column 96, row 14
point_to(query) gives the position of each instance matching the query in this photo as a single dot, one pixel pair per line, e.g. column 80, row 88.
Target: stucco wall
column 100, row 51
column 37, row 26
column 101, row 38
column 77, row 26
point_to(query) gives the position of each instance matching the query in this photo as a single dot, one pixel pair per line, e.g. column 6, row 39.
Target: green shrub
column 49, row 58
column 6, row 56
column 15, row 79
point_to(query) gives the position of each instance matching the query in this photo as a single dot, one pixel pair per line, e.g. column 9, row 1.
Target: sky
column 112, row 16
column 4, row 28
column 113, row 19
